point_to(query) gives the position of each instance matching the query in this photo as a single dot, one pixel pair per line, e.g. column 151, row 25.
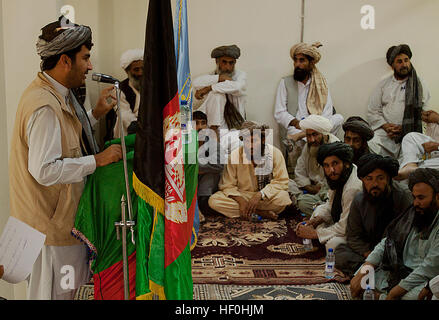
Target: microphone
column 100, row 77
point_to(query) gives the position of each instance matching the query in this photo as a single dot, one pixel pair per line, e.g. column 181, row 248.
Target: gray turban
column 339, row 149
column 72, row 37
column 249, row 126
column 360, row 126
column 396, row 50
column 229, row 51
column 369, row 162
column 426, row 175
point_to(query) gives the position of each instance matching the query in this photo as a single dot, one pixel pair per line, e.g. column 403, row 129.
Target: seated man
column 407, row 258
column 255, row 179
column 357, row 133
column 380, row 202
column 421, row 150
column 328, row 222
column 224, row 96
column 309, row 185
column 396, row 104
column 210, row 163
column 301, row 94
column 132, row 62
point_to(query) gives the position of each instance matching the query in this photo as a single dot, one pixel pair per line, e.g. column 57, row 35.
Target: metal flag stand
column 124, row 224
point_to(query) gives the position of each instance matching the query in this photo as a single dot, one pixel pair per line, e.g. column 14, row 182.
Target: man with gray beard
column 132, row 62
column 371, row 211
column 222, row 95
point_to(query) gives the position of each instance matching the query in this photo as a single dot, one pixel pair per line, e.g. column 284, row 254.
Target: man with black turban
column 53, row 152
column 407, row 258
column 381, row 200
column 395, row 107
column 222, row 95
column 328, row 222
column 357, row 133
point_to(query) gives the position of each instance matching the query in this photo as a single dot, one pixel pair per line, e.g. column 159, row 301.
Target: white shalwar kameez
column 387, row 105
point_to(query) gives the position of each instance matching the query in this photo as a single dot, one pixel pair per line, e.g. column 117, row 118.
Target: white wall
column 353, row 59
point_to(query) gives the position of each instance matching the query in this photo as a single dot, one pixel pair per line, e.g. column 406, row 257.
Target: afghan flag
column 98, row 210
column 164, row 223
column 185, row 91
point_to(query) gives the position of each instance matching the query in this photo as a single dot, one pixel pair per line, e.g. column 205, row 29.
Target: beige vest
column 50, row 210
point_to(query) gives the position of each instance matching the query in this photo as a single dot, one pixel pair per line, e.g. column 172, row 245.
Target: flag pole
column 124, row 224
column 303, row 21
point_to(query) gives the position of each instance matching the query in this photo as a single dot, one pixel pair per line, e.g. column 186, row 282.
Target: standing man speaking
column 53, row 150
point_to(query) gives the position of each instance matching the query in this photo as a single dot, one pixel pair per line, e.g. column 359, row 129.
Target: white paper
column 20, row 246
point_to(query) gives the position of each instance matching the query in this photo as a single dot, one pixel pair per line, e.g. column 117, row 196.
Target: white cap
column 130, row 56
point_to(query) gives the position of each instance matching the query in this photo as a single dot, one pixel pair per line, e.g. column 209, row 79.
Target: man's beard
column 340, row 182
column 254, row 154
column 135, row 81
column 423, row 220
column 402, row 75
column 383, row 196
column 359, row 152
column 301, row 74
column 220, row 72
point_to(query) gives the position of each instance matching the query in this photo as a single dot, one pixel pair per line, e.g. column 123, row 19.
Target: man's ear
column 65, row 61
column 437, row 198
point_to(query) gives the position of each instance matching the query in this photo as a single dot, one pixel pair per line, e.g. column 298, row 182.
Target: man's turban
column 306, row 49
column 369, row 162
column 249, row 126
column 130, row 56
column 426, row 175
column 70, row 38
column 396, row 50
column 360, row 126
column 317, row 123
column 339, row 149
column 229, row 51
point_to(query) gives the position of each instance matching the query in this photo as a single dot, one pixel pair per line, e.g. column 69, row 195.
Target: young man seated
column 328, row 222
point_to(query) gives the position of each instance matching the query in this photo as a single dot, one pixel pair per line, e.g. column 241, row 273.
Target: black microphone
column 100, row 77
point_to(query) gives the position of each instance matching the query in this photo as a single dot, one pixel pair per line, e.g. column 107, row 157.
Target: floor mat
column 234, row 251
column 327, row 291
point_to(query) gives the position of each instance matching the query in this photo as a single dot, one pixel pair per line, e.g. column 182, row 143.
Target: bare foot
column 404, row 172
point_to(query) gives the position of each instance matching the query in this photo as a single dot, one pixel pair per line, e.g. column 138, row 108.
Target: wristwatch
column 262, row 195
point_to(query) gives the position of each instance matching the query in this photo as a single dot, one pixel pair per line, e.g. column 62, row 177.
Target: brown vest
column 51, row 210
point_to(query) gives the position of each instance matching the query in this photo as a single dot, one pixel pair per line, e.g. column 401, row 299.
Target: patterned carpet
column 233, row 251
column 326, row 291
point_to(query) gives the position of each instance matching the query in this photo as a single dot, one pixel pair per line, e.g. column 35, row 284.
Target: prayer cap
column 317, row 123
column 69, row 36
column 396, row 50
column 369, row 162
column 306, row 49
column 230, row 51
column 426, row 175
column 360, row 126
column 339, row 149
column 130, row 56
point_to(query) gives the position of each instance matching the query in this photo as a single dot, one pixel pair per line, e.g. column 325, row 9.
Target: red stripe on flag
column 108, row 284
column 177, row 236
column 172, row 107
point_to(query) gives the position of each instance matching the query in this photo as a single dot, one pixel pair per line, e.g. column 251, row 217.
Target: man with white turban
column 396, row 105
column 309, row 185
column 223, row 95
column 52, row 153
column 301, row 94
column 132, row 62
